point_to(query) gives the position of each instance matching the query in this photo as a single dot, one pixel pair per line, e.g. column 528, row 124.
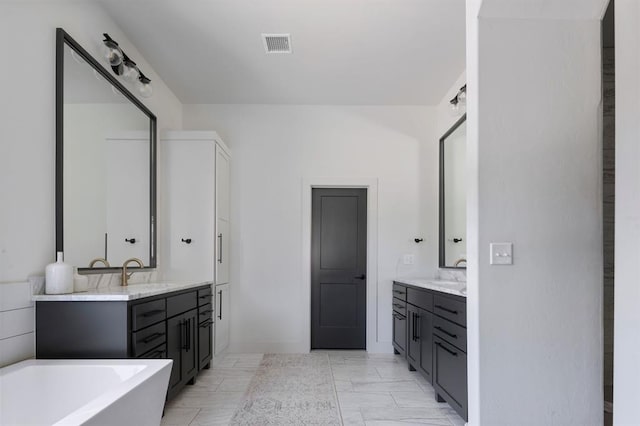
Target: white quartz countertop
column 130, row 292
column 458, row 288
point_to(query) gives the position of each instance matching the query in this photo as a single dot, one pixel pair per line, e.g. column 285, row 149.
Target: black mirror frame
column 441, row 245
column 62, row 38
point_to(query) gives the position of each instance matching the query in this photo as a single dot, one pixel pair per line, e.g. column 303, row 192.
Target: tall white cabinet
column 195, row 221
column 222, row 215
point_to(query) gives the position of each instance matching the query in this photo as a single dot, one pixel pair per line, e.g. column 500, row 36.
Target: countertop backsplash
column 99, row 281
column 453, row 274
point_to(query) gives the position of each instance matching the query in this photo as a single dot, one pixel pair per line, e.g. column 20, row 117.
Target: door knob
column 361, row 277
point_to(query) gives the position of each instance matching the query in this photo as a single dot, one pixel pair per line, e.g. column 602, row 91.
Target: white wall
column 535, row 335
column 626, row 380
column 274, row 149
column 27, row 108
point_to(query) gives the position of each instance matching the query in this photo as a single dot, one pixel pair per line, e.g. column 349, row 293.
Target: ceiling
column 345, row 52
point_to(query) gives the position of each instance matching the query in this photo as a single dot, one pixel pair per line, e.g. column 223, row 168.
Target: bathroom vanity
column 429, row 330
column 163, row 320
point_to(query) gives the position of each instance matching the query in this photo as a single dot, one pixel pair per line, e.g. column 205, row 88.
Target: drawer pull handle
column 399, row 317
column 398, row 292
column 154, row 354
column 152, row 313
column 447, row 349
column 206, row 312
column 206, row 296
column 397, row 305
column 207, row 323
column 454, row 336
column 447, row 310
column 153, row 337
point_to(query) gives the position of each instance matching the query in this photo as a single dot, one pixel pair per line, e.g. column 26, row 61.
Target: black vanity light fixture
column 123, row 66
column 459, row 98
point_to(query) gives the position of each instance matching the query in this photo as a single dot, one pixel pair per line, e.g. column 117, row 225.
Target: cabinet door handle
column 153, row 337
column 446, row 309
column 220, row 248
column 413, row 326
column 437, row 327
column 189, row 334
column 417, row 327
column 447, row 349
column 220, row 310
column 183, row 338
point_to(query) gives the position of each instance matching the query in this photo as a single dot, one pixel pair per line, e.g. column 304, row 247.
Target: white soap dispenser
column 59, row 277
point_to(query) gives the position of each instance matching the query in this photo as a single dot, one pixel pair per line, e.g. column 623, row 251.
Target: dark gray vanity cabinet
column 205, row 328
column 399, row 319
column 175, row 325
column 435, row 342
column 420, row 322
column 450, row 351
column 182, row 349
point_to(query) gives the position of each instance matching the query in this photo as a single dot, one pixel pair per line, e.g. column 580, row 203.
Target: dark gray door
column 338, row 268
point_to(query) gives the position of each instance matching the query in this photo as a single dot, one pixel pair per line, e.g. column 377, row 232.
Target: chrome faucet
column 125, row 276
column 101, row 260
column 459, row 261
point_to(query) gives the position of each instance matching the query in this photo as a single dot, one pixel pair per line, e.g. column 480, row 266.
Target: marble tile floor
column 372, row 389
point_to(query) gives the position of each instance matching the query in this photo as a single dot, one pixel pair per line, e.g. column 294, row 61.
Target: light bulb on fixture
column 130, row 71
column 144, row 86
column 112, row 53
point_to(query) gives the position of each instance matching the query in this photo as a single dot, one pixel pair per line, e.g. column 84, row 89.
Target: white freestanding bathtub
column 84, row 392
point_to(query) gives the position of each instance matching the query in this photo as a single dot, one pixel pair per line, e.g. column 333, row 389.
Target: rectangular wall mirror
column 453, row 196
column 105, row 165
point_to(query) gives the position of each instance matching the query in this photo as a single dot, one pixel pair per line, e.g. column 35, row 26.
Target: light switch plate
column 408, row 259
column 501, row 253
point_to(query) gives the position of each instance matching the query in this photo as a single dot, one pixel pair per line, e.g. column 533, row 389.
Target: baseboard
column 295, row 347
column 380, row 348
column 268, row 347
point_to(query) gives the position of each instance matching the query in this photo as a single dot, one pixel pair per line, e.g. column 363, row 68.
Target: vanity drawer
column 399, row 291
column 205, row 312
column 450, row 309
column 159, row 352
column 145, row 314
column 181, row 303
column 451, row 332
column 420, row 298
column 148, row 338
column 400, row 306
column 204, row 296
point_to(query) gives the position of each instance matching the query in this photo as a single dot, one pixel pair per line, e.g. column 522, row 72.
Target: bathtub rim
column 85, row 412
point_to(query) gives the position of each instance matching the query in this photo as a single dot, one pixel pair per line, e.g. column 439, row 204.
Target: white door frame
column 371, row 184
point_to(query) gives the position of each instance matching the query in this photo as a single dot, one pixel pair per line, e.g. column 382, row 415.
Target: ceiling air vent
column 277, row 43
